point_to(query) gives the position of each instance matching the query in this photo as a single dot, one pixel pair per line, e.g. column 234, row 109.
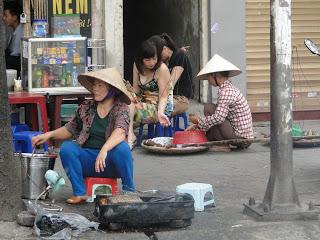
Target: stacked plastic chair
column 22, row 138
column 154, row 130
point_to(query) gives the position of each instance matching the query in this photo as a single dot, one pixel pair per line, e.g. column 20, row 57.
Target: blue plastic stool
column 154, row 130
column 19, row 127
column 161, row 131
column 176, row 121
column 15, row 118
column 140, row 134
column 23, row 141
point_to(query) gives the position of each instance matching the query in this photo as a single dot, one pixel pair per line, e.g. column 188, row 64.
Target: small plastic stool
column 23, row 141
column 199, row 192
column 101, row 185
column 161, row 131
column 154, row 130
column 19, row 128
column 176, row 122
column 150, row 132
column 15, row 119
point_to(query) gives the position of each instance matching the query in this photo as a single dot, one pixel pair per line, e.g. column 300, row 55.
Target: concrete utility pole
column 281, row 189
column 10, row 171
column 281, row 200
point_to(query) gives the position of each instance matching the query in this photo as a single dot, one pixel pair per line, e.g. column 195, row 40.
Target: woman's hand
column 163, row 120
column 40, row 139
column 117, row 136
column 61, row 134
column 185, row 49
column 101, row 161
column 192, row 127
column 193, row 118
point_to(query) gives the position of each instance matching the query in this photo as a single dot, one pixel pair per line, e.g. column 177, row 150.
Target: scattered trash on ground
column 59, row 225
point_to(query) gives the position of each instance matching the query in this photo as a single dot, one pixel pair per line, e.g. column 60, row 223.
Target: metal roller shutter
column 305, row 65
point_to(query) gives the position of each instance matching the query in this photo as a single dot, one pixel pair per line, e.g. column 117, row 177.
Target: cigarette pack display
column 53, row 64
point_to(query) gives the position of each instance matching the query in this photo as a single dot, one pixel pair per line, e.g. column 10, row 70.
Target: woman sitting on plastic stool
column 151, row 82
column 180, row 74
column 100, row 127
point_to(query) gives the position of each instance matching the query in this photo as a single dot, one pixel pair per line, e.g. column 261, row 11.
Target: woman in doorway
column 151, row 83
column 231, row 117
column 178, row 63
column 100, row 127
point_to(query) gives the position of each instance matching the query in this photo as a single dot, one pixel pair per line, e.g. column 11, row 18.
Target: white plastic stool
column 198, row 192
column 105, row 189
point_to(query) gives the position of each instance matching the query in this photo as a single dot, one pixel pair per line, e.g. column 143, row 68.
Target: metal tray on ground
column 153, row 209
column 302, row 143
column 306, row 143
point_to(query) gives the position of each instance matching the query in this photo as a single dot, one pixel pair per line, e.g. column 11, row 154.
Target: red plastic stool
column 100, row 185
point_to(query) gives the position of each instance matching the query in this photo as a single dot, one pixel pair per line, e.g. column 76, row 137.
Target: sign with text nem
column 69, row 7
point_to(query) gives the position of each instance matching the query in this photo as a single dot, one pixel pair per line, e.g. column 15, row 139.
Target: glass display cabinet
column 52, row 65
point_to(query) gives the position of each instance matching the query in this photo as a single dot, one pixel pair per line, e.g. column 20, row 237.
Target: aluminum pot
column 33, row 169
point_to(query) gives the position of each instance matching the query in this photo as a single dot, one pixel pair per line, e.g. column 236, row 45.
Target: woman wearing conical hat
column 231, row 117
column 100, row 127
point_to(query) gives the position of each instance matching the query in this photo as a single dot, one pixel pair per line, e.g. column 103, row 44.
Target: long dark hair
column 163, row 40
column 147, row 49
column 159, row 42
column 169, row 42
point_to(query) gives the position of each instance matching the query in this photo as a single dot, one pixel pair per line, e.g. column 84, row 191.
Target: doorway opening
column 178, row 18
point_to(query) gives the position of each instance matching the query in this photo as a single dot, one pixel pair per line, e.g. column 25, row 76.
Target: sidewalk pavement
column 235, row 176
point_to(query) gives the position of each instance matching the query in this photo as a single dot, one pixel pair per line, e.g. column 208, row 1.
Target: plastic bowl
column 189, row 137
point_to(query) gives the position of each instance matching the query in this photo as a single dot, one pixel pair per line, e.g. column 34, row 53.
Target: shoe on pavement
column 77, row 199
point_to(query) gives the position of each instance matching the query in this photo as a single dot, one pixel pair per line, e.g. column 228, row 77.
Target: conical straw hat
column 218, row 64
column 108, row 75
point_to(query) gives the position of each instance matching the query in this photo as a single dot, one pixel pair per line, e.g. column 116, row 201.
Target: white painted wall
column 205, row 52
column 229, row 40
column 98, row 29
column 114, row 34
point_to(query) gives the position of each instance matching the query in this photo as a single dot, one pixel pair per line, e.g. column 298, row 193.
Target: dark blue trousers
column 79, row 163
